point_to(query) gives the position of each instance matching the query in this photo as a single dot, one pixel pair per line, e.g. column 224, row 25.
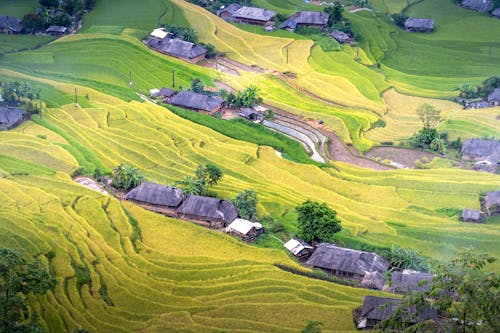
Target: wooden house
column 10, row 25
column 346, row 263
column 493, row 98
column 160, row 33
column 252, row 115
column 164, row 94
column 491, row 203
column 414, row 24
column 56, row 30
column 496, row 13
column 373, row 280
column 226, row 13
column 11, row 117
column 480, row 149
column 300, row 249
column 377, row 309
column 482, row 6
column 472, row 215
column 156, row 197
column 245, row 230
column 215, row 212
column 341, row 37
column 309, row 19
column 178, row 48
column 254, row 15
column 408, row 281
column 197, row 102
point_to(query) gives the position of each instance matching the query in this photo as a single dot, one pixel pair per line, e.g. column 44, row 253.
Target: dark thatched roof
column 493, row 198
column 408, row 281
column 192, row 100
column 231, row 9
column 477, row 149
column 472, row 215
column 56, row 29
column 165, row 92
column 341, row 36
column 11, row 23
column 253, row 13
column 494, row 96
column 10, row 117
column 373, row 280
column 496, row 13
column 332, row 257
column 177, row 47
column 211, row 208
column 156, row 194
column 419, row 24
column 381, row 308
column 305, row 17
column 482, row 6
column 251, row 114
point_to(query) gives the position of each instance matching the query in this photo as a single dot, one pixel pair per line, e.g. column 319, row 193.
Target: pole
column 173, row 78
column 76, row 99
column 130, row 78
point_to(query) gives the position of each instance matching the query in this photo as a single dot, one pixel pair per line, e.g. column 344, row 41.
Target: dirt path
column 90, row 183
column 403, row 157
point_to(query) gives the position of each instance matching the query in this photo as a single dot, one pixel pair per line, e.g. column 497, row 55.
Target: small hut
column 156, row 197
column 494, row 97
column 178, row 48
column 226, row 13
column 245, row 230
column 254, row 15
column 251, row 115
column 164, row 93
column 213, row 212
column 408, row 281
column 491, row 203
column 496, row 13
column 300, row 249
column 197, row 102
column 311, row 19
column 373, row 280
column 160, row 33
column 56, row 30
column 482, row 6
column 11, row 117
column 472, row 215
column 10, row 25
column 341, row 37
column 480, row 149
column 415, row 24
column 377, row 309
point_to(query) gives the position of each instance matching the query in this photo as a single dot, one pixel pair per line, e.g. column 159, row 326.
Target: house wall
column 6, row 31
column 250, row 21
column 213, row 223
column 310, row 25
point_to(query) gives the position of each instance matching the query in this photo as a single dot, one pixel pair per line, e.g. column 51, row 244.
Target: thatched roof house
column 298, row 248
column 252, row 115
column 246, row 230
column 415, row 24
column 10, row 25
column 11, row 117
column 491, row 203
column 496, row 13
column 407, row 281
column 254, row 15
column 218, row 213
column 227, row 13
column 198, row 102
column 178, row 48
column 345, row 262
column 341, row 37
column 494, row 97
column 159, row 33
column 482, row 6
column 156, row 195
column 377, row 309
column 307, row 19
column 163, row 93
column 472, row 215
column 480, row 149
column 56, row 30
column 373, row 280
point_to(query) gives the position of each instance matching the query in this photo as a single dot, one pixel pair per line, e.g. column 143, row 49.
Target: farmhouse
column 306, row 19
column 377, row 309
column 373, row 280
column 56, row 30
column 226, row 13
column 156, row 197
column 480, row 149
column 496, row 13
column 197, row 102
column 245, row 230
column 414, row 24
column 10, row 25
column 178, row 48
column 159, row 33
column 218, row 213
column 491, row 203
column 408, row 281
column 472, row 215
column 164, row 93
column 494, row 97
column 11, row 117
column 253, row 15
column 345, row 262
column 482, row 6
column 251, row 115
column 299, row 249
column 341, row 37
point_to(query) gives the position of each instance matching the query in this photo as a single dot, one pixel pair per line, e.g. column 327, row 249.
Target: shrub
column 399, row 19
column 126, row 177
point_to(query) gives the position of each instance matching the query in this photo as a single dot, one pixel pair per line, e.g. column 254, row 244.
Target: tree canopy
column 246, row 203
column 126, row 177
column 317, row 221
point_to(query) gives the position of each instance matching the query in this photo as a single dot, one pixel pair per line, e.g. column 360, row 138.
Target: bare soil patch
column 403, row 156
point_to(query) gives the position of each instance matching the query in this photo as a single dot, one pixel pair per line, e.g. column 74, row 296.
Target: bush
column 399, row 19
column 407, row 258
column 126, row 177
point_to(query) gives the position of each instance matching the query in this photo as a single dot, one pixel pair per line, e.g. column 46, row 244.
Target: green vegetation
column 246, row 203
column 407, row 258
column 205, row 176
column 317, row 222
column 126, row 177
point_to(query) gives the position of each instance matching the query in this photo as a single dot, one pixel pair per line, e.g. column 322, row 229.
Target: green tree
column 429, row 115
column 248, row 97
column 317, row 221
column 49, row 3
column 335, row 12
column 126, row 177
column 197, row 86
column 89, row 4
column 192, row 185
column 468, row 91
column 18, row 279
column 246, row 203
column 62, row 19
column 73, row 7
column 467, row 298
column 210, row 174
column 211, row 51
column 32, row 23
column 399, row 19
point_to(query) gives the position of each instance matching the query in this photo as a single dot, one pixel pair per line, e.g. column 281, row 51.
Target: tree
column 248, row 97
column 468, row 91
column 425, row 136
column 32, row 23
column 399, row 19
column 335, row 13
column 126, row 177
column 197, row 86
column 246, row 203
column 18, row 278
column 192, row 185
column 49, row 3
column 210, row 174
column 317, row 221
column 211, row 51
column 73, row 7
column 62, row 19
column 429, row 115
column 89, row 4
column 467, row 298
